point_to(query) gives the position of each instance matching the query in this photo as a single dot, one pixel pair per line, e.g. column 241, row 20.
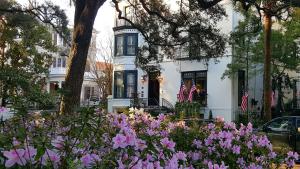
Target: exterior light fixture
column 143, row 78
column 160, row 78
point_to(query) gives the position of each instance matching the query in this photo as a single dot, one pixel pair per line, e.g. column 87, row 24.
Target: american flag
column 273, row 104
column 244, row 103
column 193, row 89
column 181, row 92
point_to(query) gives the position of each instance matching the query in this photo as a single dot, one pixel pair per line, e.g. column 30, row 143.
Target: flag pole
column 247, row 76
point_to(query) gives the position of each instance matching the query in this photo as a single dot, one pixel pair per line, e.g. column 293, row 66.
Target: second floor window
column 54, row 62
column 126, row 44
column 131, row 46
column 119, row 45
column 58, row 62
column 64, row 62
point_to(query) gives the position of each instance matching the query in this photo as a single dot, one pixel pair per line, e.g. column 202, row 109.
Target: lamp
column 159, row 78
column 143, row 78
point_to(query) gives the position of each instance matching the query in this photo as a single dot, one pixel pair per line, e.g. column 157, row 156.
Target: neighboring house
column 58, row 70
column 162, row 86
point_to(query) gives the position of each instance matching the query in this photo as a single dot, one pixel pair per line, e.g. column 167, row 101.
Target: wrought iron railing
column 165, row 103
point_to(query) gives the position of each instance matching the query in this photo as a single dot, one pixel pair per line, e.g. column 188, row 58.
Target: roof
column 103, row 65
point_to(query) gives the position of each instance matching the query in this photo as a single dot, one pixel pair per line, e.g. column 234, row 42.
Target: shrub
column 91, row 139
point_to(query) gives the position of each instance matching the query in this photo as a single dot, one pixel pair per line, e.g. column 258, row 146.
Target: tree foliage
column 248, row 45
column 191, row 26
column 26, row 47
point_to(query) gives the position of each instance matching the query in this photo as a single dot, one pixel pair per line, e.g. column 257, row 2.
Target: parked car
column 94, row 101
column 283, row 132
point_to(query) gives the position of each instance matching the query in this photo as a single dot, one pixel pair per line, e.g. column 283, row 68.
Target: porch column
column 48, row 86
column 60, row 84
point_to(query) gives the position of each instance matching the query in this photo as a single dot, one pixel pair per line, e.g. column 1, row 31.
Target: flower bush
column 91, row 139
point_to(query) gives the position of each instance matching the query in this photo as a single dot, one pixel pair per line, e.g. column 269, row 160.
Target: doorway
column 153, row 89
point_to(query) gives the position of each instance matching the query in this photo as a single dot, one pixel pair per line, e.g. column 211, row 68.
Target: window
column 54, row 38
column 87, row 93
column 54, row 62
column 126, row 44
column 119, row 45
column 64, row 62
column 125, row 84
column 278, row 125
column 58, row 62
column 200, row 80
column 130, row 88
column 241, row 85
column 119, row 85
column 131, row 46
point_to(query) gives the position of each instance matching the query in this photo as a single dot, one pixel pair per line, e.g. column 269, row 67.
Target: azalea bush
column 93, row 139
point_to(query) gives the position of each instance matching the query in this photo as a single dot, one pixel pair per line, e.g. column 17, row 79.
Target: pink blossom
column 236, row 149
column 50, row 155
column 155, row 124
column 120, row 164
column 181, row 155
column 3, row 110
column 14, row 157
column 197, row 143
column 169, row 144
column 140, row 144
column 130, row 139
column 58, row 142
column 172, row 163
column 118, row 141
column 89, row 160
column 30, row 153
column 161, row 117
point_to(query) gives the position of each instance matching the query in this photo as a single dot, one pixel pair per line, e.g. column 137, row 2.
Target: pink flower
column 172, row 163
column 130, row 139
column 13, row 157
column 120, row 164
column 3, row 110
column 161, row 117
column 30, row 153
column 89, row 160
column 169, row 144
column 58, row 142
column 140, row 144
column 236, row 149
column 50, row 155
column 181, row 155
column 118, row 141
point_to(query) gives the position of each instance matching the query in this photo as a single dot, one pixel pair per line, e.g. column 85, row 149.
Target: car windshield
column 279, row 125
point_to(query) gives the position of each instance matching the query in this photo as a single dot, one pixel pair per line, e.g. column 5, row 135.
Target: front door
column 153, row 89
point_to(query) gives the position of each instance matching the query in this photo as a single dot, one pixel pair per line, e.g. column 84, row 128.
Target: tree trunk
column 85, row 14
column 267, row 66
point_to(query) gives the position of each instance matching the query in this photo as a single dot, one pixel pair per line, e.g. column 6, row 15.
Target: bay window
column 119, row 45
column 126, row 44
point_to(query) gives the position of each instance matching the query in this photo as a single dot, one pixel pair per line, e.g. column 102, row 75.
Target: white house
column 57, row 71
column 223, row 96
